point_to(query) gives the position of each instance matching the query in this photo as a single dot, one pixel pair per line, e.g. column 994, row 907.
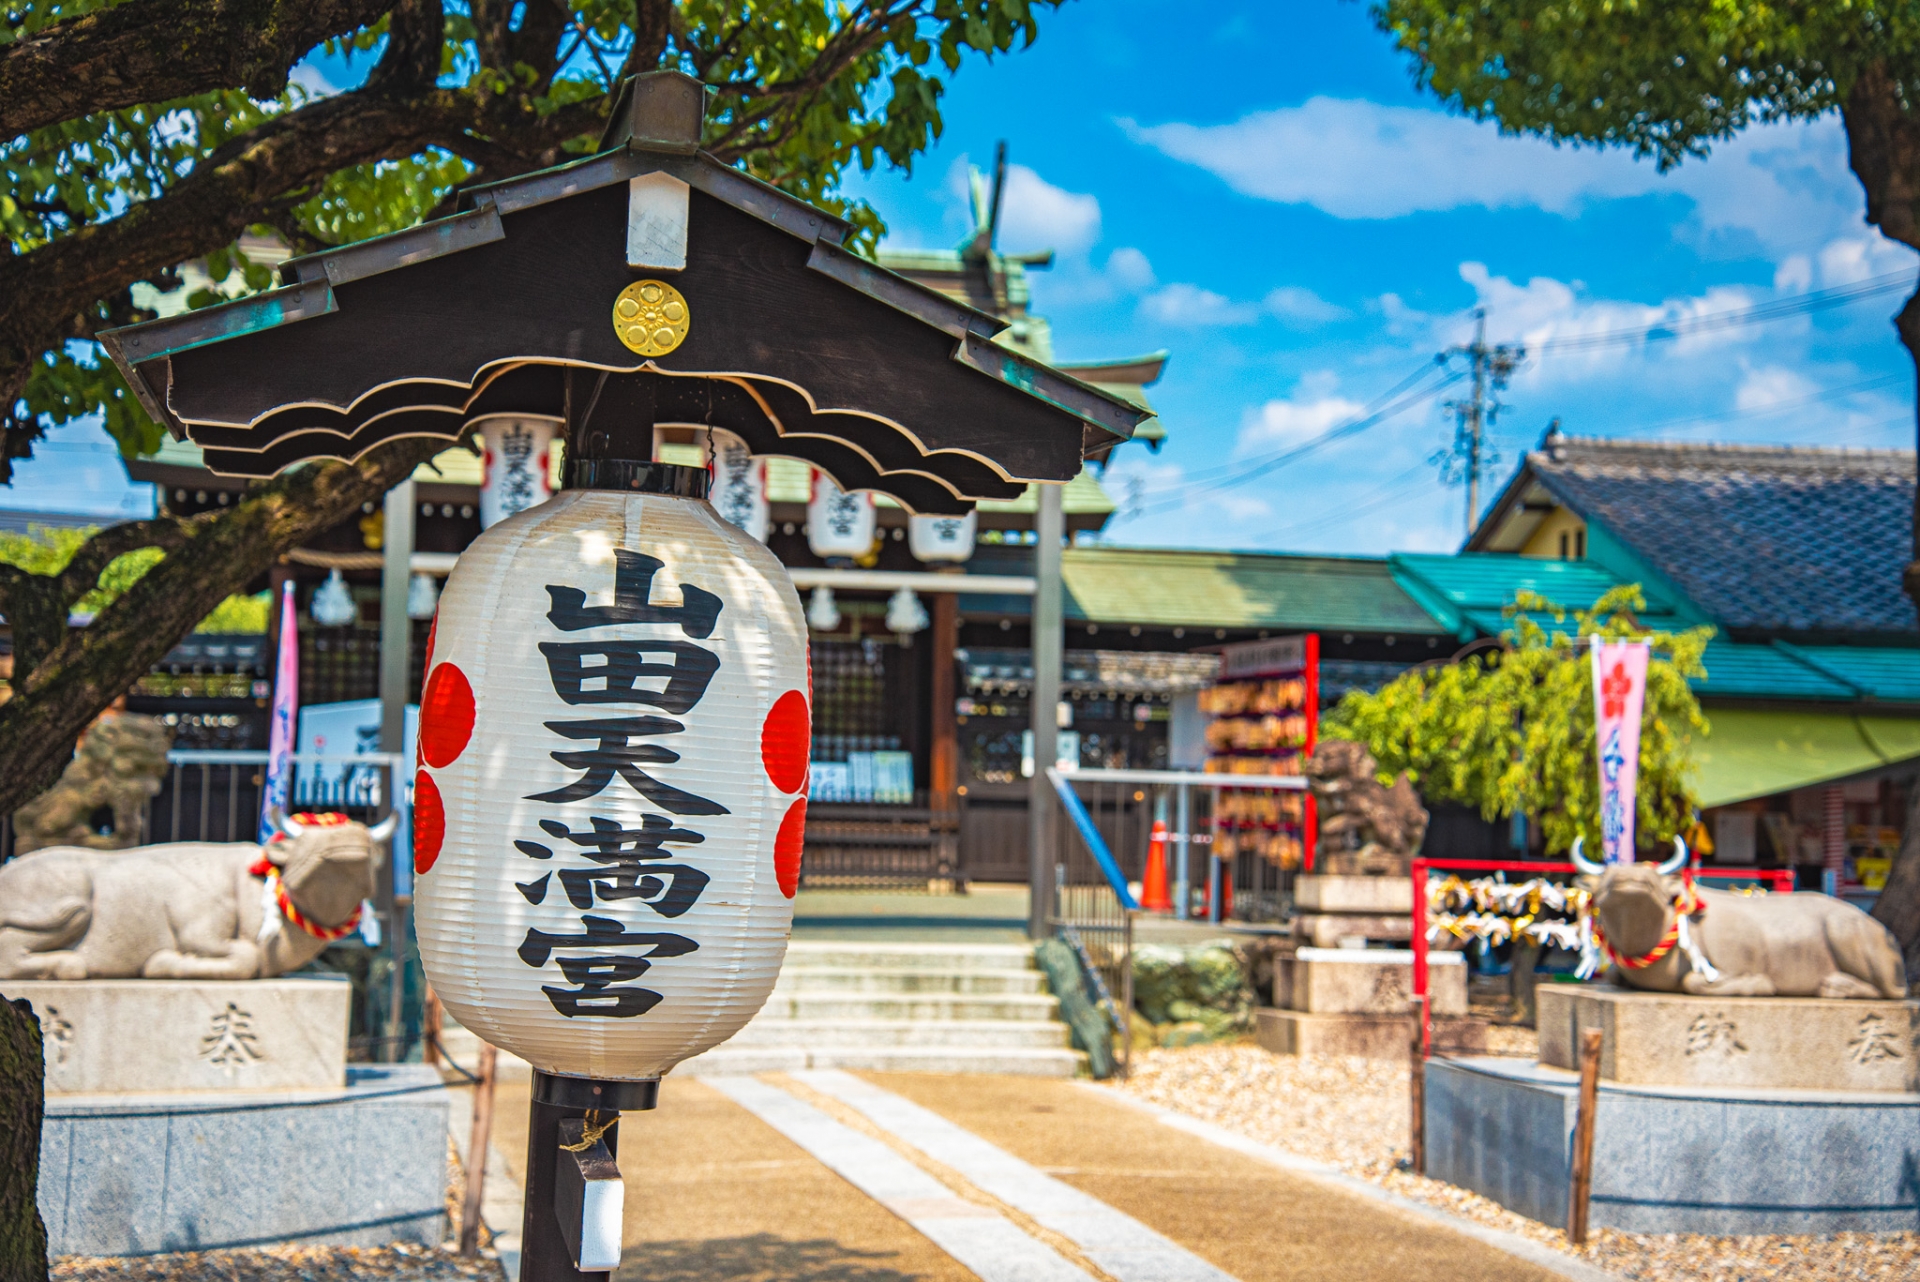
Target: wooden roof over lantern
column 646, row 285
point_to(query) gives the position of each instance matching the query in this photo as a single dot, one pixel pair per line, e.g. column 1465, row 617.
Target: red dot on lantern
column 429, row 822
column 787, row 844
column 446, row 716
column 785, row 742
column 433, row 630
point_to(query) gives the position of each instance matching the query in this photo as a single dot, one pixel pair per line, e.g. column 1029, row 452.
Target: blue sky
column 1262, row 192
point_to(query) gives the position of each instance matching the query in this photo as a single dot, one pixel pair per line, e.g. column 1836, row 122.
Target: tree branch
column 84, row 669
column 155, row 50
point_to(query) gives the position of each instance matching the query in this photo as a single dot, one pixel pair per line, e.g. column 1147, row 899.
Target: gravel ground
column 401, row 1262
column 1352, row 1113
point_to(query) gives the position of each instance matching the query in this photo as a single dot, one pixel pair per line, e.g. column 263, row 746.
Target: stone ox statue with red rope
column 189, row 910
column 1667, row 935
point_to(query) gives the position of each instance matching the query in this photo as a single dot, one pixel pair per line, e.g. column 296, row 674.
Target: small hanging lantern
column 516, row 475
column 423, row 596
column 905, row 614
column 739, row 484
column 942, row 538
column 333, row 605
column 839, row 523
column 823, row 615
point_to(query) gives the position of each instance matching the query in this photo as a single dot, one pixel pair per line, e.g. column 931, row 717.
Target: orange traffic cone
column 1154, row 897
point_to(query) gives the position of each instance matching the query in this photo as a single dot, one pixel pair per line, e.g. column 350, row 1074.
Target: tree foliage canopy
column 105, row 192
column 1664, row 77
column 1512, row 731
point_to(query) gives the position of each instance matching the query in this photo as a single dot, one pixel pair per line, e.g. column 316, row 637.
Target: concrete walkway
column 885, row 1177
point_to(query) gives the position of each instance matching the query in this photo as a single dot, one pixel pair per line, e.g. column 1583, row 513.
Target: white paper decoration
column 838, row 523
column 739, row 484
column 515, row 476
column 609, row 806
column 942, row 538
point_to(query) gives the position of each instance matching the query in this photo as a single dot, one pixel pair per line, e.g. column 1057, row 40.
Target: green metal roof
column 1156, row 587
column 1754, row 752
column 1467, row 593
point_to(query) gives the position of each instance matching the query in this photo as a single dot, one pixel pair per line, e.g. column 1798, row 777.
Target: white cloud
column 1292, row 303
column 1762, row 389
column 1192, row 306
column 1357, row 159
column 1129, row 269
column 311, row 79
column 1036, row 215
column 1281, row 423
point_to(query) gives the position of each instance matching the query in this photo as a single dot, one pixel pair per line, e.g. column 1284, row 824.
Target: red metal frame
column 1781, row 880
column 1310, row 809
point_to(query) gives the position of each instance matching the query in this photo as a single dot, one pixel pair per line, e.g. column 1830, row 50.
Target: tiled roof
column 1762, row 537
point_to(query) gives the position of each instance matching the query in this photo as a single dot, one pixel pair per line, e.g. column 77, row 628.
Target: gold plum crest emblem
column 650, row 317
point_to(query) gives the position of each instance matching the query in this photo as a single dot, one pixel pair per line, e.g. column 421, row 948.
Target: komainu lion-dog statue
column 188, row 910
column 1668, row 936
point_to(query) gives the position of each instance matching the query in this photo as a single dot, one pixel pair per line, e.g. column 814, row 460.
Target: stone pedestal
column 1292, row 1032
column 363, row 1164
column 1758, row 1043
column 1352, row 1001
column 1315, row 893
column 1677, row 1159
column 1329, row 909
column 105, row 1035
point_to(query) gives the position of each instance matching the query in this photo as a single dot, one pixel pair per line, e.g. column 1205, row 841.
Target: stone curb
column 1556, row 1262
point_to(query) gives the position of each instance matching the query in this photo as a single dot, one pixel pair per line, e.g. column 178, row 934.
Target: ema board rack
column 1263, row 713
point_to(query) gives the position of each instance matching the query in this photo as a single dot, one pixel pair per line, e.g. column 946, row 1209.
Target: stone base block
column 190, row 1035
column 1366, row 981
column 1671, row 1160
column 1292, row 1032
column 362, row 1165
column 1313, row 893
column 1762, row 1043
column 1326, row 930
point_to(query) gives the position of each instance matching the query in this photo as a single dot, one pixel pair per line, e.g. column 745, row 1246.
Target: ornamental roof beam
column 652, row 277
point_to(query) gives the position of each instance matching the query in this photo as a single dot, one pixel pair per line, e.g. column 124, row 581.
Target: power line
column 1759, row 314
column 1179, row 495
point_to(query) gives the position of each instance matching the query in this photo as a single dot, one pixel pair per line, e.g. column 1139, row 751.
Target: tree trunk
column 1883, row 148
column 23, row 1069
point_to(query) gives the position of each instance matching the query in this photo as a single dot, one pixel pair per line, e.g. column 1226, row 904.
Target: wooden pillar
column 943, row 764
column 1048, row 643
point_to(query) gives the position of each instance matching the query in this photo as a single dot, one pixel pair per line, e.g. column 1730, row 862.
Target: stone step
column 1002, row 1033
column 903, row 979
column 857, row 956
column 896, row 1059
column 922, row 1006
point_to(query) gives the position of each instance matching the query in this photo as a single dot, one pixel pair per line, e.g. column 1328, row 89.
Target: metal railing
column 1113, row 815
column 1233, row 842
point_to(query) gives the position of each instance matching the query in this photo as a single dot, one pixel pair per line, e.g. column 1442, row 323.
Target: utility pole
column 1492, row 368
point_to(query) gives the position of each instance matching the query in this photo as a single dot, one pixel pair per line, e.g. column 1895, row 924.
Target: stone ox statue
column 188, row 910
column 1667, row 935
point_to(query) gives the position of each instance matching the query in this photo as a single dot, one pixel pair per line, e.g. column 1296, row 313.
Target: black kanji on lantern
column 612, row 672
column 632, row 601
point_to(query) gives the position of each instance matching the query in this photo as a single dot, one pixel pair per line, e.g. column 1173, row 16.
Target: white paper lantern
column 516, row 476
column 739, row 484
column 942, row 538
column 838, row 523
column 610, row 801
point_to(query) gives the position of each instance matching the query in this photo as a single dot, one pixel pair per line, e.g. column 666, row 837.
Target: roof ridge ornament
column 657, row 111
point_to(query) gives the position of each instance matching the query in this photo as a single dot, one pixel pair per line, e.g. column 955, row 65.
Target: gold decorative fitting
column 651, row 317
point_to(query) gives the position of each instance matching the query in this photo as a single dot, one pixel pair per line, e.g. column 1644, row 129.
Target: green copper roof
column 1156, row 587
column 1468, row 592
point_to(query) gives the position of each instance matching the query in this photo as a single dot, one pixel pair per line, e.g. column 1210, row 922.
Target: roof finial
column 657, row 111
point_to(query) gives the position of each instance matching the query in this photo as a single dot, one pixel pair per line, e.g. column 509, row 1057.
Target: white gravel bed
column 1353, row 1113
